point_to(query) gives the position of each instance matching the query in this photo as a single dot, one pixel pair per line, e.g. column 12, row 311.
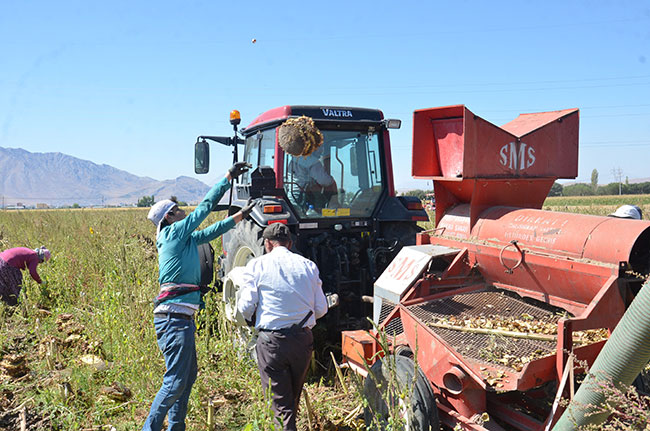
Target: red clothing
column 22, row 258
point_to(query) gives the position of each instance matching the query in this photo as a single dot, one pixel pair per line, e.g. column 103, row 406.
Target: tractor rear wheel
column 245, row 244
column 389, row 378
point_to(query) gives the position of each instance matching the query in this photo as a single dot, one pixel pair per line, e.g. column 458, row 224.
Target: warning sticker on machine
column 535, row 229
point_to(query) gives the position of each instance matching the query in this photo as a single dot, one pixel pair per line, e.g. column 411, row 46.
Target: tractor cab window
column 342, row 178
column 259, row 151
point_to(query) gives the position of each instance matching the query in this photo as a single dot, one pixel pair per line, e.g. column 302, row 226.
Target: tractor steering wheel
column 356, row 195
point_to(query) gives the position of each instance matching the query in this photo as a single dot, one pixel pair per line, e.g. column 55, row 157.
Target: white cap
column 627, row 211
column 158, row 211
column 43, row 253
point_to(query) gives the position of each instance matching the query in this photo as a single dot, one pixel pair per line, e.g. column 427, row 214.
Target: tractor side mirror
column 201, row 157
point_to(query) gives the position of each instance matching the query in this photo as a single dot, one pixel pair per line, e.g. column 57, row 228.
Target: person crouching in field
column 12, row 261
column 177, row 241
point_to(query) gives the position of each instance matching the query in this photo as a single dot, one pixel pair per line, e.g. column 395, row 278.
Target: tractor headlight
column 393, row 123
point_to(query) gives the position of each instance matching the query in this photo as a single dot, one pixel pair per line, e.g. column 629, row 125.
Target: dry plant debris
column 117, row 392
column 523, row 326
column 14, row 365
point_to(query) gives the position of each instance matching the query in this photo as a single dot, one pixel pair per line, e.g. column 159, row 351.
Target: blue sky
column 131, row 84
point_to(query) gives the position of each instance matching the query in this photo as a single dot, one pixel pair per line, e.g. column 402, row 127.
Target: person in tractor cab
column 179, row 298
column 12, row 261
column 628, row 211
column 300, row 138
column 316, row 184
column 282, row 296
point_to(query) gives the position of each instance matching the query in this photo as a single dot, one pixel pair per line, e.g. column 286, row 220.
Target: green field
column 597, row 205
column 102, row 278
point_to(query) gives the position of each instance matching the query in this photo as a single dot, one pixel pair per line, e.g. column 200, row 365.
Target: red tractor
column 351, row 227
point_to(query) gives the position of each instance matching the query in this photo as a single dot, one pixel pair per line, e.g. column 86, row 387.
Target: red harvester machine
column 494, row 298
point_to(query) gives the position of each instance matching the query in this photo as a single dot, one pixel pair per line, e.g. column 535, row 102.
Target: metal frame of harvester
column 496, row 256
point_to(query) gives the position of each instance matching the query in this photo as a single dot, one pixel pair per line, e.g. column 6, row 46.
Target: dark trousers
column 283, row 361
column 11, row 280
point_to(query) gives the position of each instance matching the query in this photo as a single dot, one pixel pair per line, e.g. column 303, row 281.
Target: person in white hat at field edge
column 628, row 211
column 179, row 298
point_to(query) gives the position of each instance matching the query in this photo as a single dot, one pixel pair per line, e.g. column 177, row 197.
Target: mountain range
column 57, row 179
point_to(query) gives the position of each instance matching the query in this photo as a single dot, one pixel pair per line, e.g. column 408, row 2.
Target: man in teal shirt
column 178, row 300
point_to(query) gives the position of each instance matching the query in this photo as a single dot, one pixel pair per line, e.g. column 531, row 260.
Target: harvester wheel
column 388, row 379
column 404, row 350
column 245, row 244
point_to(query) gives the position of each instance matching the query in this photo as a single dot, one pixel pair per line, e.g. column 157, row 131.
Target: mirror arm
column 224, row 140
column 235, row 158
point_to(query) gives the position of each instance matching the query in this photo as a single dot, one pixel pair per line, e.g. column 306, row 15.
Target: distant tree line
column 582, row 189
column 421, row 194
column 147, row 201
column 579, row 189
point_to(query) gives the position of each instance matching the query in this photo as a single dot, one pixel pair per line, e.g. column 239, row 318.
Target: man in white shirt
column 282, row 293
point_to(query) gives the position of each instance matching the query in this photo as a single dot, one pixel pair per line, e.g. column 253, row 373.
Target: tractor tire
column 418, row 411
column 245, row 244
column 404, row 350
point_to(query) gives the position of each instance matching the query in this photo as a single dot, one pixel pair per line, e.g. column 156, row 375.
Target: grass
column 597, row 205
column 102, row 277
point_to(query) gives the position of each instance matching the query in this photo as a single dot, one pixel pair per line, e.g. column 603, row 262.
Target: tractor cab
column 343, row 178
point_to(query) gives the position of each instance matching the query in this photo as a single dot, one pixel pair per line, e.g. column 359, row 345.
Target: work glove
column 238, row 168
column 246, row 211
column 332, row 300
column 251, row 322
